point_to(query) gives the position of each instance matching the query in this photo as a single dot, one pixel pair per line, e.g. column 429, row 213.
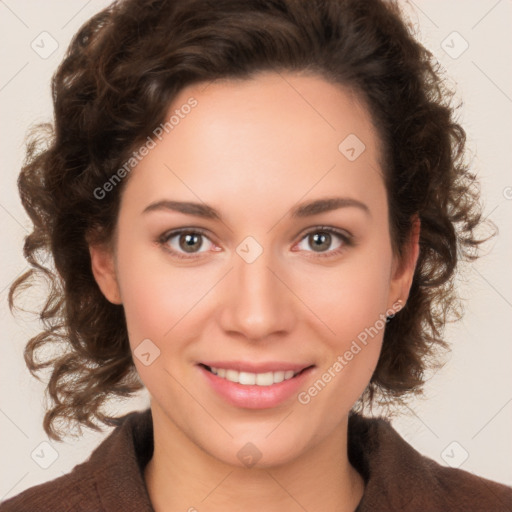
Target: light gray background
column 469, row 401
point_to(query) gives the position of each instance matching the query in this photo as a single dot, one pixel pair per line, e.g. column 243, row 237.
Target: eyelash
column 346, row 238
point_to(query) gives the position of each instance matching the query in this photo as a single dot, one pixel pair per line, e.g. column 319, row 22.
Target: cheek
column 352, row 302
column 152, row 298
column 351, row 297
column 156, row 299
column 161, row 299
column 355, row 310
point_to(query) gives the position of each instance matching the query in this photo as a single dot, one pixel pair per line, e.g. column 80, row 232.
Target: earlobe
column 103, row 269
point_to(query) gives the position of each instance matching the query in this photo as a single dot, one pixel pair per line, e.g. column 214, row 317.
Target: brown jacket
column 398, row 478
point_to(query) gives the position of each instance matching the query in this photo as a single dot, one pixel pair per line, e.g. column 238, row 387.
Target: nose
column 258, row 302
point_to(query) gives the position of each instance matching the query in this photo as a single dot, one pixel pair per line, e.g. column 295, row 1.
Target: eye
column 185, row 243
column 321, row 238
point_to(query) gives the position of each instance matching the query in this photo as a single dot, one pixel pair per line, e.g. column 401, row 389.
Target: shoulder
column 74, row 491
column 110, row 479
column 400, row 478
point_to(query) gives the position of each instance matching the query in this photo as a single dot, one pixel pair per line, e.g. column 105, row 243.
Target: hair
column 114, row 86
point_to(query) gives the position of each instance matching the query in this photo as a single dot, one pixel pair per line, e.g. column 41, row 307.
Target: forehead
column 261, row 139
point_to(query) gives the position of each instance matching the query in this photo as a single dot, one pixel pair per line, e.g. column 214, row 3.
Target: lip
column 254, row 396
column 245, row 366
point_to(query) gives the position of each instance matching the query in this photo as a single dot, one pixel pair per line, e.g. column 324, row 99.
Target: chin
column 260, row 452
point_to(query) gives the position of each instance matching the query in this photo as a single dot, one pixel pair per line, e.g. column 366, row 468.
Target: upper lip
column 246, row 366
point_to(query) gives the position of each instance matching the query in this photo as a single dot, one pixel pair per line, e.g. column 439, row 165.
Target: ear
column 103, row 269
column 403, row 268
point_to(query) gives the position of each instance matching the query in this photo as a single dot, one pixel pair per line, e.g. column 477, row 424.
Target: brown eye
column 185, row 241
column 190, row 242
column 321, row 241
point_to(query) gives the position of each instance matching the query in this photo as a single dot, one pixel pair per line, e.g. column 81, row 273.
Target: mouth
column 246, row 378
column 255, row 386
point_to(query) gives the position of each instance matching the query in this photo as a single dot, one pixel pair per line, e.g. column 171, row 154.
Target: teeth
column 248, row 379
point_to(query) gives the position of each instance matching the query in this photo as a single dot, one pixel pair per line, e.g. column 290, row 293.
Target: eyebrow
column 302, row 210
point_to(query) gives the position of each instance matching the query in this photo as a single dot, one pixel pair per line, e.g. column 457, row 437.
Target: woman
column 255, row 210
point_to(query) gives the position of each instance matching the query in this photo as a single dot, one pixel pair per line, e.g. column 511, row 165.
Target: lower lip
column 253, row 396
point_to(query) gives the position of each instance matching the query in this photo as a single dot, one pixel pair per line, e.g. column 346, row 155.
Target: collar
column 396, row 476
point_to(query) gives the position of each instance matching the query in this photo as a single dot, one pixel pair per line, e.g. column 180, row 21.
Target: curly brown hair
column 122, row 70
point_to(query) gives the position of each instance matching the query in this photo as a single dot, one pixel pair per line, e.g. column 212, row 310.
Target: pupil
column 322, row 238
column 190, row 240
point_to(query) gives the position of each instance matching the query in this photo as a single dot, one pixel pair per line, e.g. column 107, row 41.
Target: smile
column 251, row 379
column 267, row 385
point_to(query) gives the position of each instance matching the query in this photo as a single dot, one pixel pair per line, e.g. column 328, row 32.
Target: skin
column 252, row 150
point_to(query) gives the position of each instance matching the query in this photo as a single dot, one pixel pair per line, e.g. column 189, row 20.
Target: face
column 262, row 279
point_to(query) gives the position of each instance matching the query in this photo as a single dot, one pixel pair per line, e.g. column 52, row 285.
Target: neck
column 182, row 476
